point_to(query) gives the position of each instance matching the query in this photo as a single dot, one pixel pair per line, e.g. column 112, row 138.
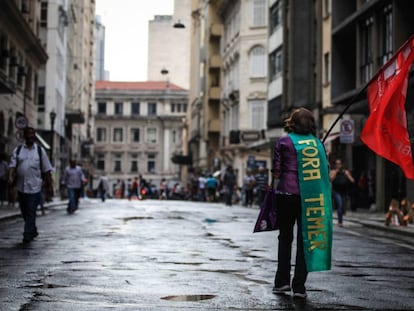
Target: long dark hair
column 301, row 121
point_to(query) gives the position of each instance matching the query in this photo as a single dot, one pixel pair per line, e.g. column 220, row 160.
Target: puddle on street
column 43, row 285
column 188, row 297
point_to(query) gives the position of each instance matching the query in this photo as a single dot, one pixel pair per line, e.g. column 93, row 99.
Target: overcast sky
column 126, row 26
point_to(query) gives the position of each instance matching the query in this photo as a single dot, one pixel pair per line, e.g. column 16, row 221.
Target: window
column 257, row 114
column 117, row 163
column 101, row 134
column 135, row 135
column 174, row 136
column 151, row 163
column 118, row 135
column 327, row 8
column 367, row 50
column 386, row 34
column 152, row 109
column 276, row 16
column 257, row 57
column 100, row 162
column 135, row 109
column 102, row 108
column 41, row 99
column 4, row 52
column 119, row 107
column 43, row 14
column 134, row 163
column 326, row 63
column 276, row 64
column 259, row 13
column 151, row 135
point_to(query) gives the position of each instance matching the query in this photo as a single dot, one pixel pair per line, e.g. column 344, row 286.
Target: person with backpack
column 29, row 168
column 73, row 179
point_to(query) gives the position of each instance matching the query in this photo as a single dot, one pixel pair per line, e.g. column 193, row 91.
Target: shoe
column 299, row 295
column 26, row 240
column 281, row 289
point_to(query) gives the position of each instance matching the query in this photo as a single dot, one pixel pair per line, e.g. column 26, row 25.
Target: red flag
column 385, row 131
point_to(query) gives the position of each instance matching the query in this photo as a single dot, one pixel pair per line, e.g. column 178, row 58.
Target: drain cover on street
column 188, row 297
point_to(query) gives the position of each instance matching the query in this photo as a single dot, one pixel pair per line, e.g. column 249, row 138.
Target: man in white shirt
column 73, row 178
column 27, row 165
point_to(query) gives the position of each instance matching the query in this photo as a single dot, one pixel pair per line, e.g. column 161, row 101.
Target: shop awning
column 42, row 142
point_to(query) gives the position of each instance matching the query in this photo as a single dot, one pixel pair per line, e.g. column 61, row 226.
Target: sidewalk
column 375, row 220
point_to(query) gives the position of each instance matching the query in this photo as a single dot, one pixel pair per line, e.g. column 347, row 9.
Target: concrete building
column 80, row 77
column 169, row 46
column 138, row 129
column 21, row 57
column 229, row 109
column 364, row 35
column 100, row 73
column 52, row 78
column 245, row 81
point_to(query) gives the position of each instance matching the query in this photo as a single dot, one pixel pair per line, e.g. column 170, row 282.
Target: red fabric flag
column 385, row 131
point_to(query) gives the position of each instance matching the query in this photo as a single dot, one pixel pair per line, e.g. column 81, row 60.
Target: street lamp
column 179, row 25
column 52, row 116
column 165, row 72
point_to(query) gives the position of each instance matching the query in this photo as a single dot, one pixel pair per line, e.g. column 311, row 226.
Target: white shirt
column 29, row 177
column 73, row 177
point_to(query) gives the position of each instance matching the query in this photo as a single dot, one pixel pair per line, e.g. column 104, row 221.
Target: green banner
column 315, row 189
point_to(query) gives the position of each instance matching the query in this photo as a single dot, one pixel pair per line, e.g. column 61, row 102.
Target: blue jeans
column 338, row 199
column 28, row 203
column 73, row 194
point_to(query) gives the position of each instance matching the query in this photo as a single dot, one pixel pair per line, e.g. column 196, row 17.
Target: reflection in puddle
column 188, row 297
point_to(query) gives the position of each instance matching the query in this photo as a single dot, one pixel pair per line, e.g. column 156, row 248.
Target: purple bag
column 267, row 219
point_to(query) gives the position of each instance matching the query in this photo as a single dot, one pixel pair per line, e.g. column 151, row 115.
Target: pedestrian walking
column 229, row 182
column 163, row 189
column 103, row 188
column 341, row 179
column 211, row 185
column 302, row 195
column 202, row 188
column 261, row 184
column 73, row 179
column 134, row 189
column 248, row 186
column 28, row 164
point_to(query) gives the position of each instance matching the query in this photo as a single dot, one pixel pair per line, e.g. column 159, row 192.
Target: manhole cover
column 188, row 297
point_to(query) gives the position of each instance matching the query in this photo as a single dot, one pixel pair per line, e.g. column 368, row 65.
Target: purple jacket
column 286, row 166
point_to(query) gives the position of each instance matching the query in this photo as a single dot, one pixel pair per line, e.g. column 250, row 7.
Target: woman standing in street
column 302, row 195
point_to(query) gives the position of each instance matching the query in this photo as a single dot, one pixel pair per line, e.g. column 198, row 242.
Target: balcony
column 216, row 30
column 215, row 61
column 214, row 125
column 75, row 116
column 215, row 92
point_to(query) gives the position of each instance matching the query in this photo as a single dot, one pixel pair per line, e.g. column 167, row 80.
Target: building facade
column 138, row 129
column 372, row 31
column 21, row 57
column 169, row 46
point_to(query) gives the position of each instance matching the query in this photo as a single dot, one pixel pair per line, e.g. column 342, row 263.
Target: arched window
column 257, row 58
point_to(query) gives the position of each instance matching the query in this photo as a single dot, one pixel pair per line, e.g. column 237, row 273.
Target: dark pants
column 289, row 213
column 28, row 205
column 74, row 195
column 229, row 195
column 260, row 197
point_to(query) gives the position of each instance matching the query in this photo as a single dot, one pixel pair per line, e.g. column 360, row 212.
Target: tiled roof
column 142, row 85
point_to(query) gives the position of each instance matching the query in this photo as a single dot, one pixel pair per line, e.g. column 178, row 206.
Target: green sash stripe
column 315, row 189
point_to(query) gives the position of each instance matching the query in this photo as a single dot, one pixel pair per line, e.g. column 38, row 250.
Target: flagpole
column 351, row 102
